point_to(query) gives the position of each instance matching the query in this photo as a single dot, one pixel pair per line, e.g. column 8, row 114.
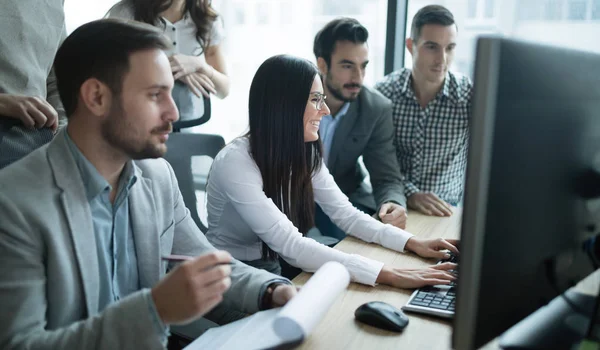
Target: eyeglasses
column 320, row 100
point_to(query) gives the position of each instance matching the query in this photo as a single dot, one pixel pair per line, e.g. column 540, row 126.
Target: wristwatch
column 267, row 299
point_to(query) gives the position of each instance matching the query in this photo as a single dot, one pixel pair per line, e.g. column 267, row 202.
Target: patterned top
column 431, row 143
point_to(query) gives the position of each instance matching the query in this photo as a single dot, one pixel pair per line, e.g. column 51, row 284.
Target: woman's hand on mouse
column 432, row 248
column 416, row 278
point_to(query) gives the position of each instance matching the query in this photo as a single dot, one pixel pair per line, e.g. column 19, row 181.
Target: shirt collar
column 449, row 90
column 184, row 20
column 343, row 110
column 405, row 83
column 93, row 182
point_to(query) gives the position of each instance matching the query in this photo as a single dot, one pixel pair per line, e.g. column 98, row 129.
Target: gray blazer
column 367, row 129
column 48, row 265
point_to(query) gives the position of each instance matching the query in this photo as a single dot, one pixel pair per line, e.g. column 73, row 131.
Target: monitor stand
column 554, row 326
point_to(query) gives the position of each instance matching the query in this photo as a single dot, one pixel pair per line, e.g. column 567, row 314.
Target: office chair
column 181, row 147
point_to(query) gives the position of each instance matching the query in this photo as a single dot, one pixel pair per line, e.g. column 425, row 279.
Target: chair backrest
column 180, row 150
column 188, row 123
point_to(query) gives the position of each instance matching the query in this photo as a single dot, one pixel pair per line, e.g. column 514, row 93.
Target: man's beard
column 122, row 135
column 337, row 93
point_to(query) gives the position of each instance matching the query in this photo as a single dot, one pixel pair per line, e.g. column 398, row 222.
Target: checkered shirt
column 431, row 143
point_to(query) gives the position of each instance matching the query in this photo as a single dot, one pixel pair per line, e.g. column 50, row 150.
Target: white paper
column 300, row 316
column 290, row 324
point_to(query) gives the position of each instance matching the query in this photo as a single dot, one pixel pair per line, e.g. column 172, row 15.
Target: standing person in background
column 197, row 61
column 30, row 107
column 431, row 108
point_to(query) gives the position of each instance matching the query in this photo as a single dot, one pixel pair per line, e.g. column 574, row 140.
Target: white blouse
column 241, row 217
column 182, row 35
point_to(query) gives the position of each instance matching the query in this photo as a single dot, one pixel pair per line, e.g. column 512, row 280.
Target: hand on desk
column 393, row 214
column 416, row 278
column 193, row 288
column 429, row 204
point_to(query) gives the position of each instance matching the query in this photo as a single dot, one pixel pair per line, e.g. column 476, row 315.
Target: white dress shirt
column 241, row 217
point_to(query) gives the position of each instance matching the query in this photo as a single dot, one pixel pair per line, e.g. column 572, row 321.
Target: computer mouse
column 381, row 315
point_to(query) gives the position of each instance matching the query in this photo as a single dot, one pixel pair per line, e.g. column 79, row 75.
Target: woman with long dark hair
column 262, row 188
column 197, row 61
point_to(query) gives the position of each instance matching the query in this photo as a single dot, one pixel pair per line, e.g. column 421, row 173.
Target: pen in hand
column 177, row 258
column 183, row 258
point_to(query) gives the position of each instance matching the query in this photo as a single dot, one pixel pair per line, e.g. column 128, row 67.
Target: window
column 81, row 12
column 472, row 8
column 567, row 23
column 489, row 8
column 577, row 9
column 596, row 9
column 553, row 9
column 481, row 9
column 262, row 13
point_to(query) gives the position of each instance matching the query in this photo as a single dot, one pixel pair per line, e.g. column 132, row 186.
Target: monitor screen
column 535, row 134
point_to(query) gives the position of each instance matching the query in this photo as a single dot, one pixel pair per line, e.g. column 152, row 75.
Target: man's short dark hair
column 340, row 29
column 431, row 14
column 101, row 50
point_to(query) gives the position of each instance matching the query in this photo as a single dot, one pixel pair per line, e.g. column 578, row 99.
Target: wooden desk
column 339, row 330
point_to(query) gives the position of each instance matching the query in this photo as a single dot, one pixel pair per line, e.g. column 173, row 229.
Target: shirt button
column 174, row 29
column 174, row 42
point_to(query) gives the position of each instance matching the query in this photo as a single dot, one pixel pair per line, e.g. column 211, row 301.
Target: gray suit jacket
column 367, row 130
column 48, row 265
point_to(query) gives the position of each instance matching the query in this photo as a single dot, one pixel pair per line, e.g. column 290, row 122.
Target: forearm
column 220, row 80
column 217, row 70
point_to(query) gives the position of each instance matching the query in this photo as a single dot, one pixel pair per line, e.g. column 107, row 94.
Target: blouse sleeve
column 351, row 220
column 235, row 174
column 217, row 33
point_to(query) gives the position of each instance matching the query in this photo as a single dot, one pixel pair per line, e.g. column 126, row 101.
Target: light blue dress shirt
column 327, row 129
column 117, row 258
column 115, row 245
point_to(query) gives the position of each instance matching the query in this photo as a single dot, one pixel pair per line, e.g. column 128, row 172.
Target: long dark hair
column 201, row 11
column 278, row 97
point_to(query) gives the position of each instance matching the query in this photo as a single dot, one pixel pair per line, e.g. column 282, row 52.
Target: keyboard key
column 441, row 307
column 418, row 303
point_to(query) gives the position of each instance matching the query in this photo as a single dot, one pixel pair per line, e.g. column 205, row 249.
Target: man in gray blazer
column 86, row 219
column 360, row 124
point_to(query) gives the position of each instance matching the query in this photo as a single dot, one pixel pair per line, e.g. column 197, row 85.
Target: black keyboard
column 435, row 300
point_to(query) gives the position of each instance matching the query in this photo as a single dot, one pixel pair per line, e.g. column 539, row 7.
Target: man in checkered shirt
column 431, row 108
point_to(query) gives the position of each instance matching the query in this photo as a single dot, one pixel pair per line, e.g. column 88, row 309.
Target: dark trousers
column 16, row 141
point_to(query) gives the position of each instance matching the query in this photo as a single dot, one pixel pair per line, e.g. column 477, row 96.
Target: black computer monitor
column 534, row 156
